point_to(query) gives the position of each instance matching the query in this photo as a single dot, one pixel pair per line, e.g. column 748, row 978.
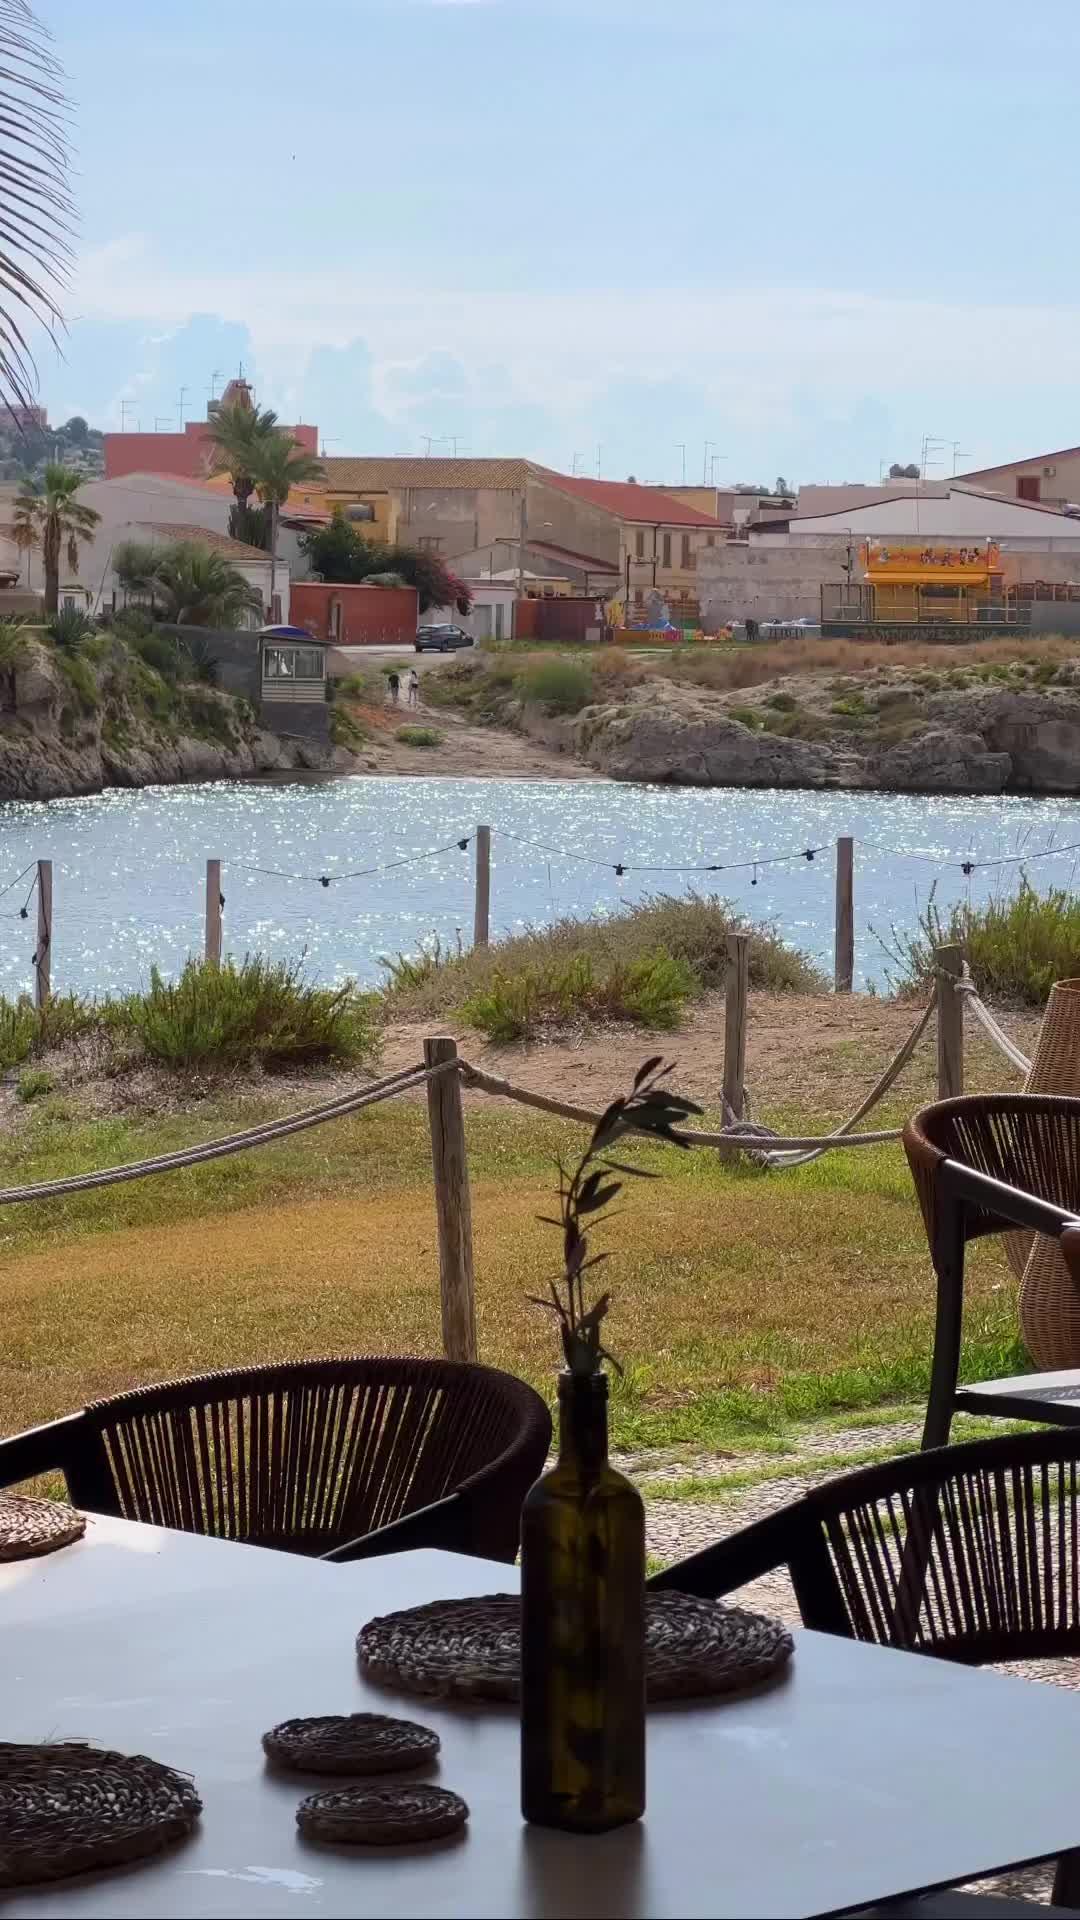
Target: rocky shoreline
column 64, row 734
column 976, row 741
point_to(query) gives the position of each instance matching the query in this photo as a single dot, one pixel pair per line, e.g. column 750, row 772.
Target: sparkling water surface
column 129, row 867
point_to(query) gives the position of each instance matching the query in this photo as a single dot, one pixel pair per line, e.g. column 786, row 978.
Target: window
column 639, row 597
column 710, row 539
column 293, row 663
column 639, row 544
column 687, row 561
column 666, row 561
column 335, row 619
column 429, row 543
column 1027, row 486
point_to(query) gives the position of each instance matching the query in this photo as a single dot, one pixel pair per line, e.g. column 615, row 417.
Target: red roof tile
column 629, row 501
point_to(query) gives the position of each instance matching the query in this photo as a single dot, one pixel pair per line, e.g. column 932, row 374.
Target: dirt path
column 814, row 1052
column 466, row 751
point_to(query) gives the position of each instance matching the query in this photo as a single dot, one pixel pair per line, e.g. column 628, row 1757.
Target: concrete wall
column 766, row 581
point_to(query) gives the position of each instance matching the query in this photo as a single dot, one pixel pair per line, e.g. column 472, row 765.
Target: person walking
column 394, row 684
column 414, row 687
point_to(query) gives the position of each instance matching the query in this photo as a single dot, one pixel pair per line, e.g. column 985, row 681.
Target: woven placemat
column 470, row 1649
column 69, row 1807
column 381, row 1816
column 36, row 1526
column 350, row 1743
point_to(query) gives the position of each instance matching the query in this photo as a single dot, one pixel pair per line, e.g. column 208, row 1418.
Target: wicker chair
column 989, row 1164
column 342, row 1458
column 969, row 1553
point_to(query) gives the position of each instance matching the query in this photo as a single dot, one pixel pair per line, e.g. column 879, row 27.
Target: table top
column 865, row 1773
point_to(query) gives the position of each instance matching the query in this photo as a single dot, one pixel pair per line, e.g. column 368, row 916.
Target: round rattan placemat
column 470, row 1649
column 381, row 1816
column 355, row 1743
column 69, row 1807
column 29, row 1526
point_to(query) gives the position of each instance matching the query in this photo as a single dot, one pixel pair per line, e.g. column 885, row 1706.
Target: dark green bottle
column 583, row 1628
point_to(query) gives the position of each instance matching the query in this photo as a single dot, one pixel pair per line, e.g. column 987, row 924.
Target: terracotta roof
column 206, row 537
column 375, row 474
column 628, row 501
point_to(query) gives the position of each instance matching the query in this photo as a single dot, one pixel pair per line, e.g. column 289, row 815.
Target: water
column 129, row 867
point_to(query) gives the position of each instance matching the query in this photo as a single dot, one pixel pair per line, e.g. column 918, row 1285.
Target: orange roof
column 628, row 501
column 206, row 537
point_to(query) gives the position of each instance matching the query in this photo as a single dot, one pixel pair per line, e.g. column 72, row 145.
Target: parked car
column 440, row 639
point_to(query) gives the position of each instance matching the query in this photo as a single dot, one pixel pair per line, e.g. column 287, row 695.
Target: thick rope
column 895, row 1068
column 260, row 1136
column 508, row 1090
column 986, row 1020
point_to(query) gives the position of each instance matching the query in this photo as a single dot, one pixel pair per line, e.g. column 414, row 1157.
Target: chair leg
column 1066, row 1888
column 948, row 1252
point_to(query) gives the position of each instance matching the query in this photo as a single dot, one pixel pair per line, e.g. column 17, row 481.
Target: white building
column 148, row 507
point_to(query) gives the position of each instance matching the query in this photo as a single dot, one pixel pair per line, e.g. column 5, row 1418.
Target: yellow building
column 931, row 583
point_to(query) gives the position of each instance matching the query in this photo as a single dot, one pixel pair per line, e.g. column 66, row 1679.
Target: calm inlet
column 129, row 867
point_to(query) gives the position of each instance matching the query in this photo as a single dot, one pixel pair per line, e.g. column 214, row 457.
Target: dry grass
column 753, row 666
column 739, row 1300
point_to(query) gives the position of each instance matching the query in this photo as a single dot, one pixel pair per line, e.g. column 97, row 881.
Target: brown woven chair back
column 312, row 1455
column 971, row 1553
column 1025, row 1140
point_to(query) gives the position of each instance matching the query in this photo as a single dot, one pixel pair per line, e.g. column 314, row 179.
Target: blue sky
column 808, row 233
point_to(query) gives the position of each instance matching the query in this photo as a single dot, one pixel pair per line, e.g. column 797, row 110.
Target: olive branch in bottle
column 585, row 1195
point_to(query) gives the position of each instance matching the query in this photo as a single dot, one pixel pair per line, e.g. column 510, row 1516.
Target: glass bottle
column 583, row 1628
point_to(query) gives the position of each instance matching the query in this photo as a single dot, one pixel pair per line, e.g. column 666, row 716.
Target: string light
column 621, row 867
column 362, row 873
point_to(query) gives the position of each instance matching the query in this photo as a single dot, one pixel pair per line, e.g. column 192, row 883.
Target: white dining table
column 862, row 1774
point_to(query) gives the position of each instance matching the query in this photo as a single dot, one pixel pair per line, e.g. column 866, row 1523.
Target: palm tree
column 238, row 433
column 195, row 586
column 35, row 234
column 280, row 464
column 46, row 515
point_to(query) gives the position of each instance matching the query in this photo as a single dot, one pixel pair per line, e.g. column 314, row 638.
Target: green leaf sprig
column 586, row 1194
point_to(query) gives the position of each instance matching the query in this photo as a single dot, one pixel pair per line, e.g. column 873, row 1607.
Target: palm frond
column 37, row 213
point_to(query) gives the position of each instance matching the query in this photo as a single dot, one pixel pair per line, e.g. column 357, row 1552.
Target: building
column 780, row 570
column 341, row 614
column 187, row 455
column 138, row 507
column 661, row 540
column 1047, row 479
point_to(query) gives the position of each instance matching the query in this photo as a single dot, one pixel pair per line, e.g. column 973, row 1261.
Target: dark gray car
column 440, row 639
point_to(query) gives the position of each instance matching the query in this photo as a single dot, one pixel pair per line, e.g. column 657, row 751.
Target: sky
column 647, row 237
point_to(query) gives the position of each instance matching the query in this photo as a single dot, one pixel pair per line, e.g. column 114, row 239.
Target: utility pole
column 709, row 444
column 680, row 447
column 599, row 451
column 126, row 407
column 522, row 521
column 214, row 378
column 184, row 391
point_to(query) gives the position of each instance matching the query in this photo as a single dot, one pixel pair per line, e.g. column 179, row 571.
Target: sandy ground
column 466, row 751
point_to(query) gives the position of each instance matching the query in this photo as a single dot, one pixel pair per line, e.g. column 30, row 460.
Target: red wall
column 187, row 454
column 370, row 616
column 560, row 618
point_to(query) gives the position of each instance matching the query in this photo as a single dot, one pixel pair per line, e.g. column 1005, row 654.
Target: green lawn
column 743, row 1303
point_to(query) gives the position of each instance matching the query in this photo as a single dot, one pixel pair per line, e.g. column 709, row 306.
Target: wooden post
column 482, row 915
column 453, row 1205
column 950, row 1023
column 213, row 912
column 43, row 947
column 735, row 989
column 844, row 970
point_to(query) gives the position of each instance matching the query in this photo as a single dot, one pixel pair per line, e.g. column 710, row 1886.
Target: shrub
column 79, row 675
column 692, row 929
column 33, row 1083
column 563, row 686
column 419, row 737
column 650, row 991
column 164, row 654
column 25, row 1030
column 1015, row 946
column 345, row 729
column 69, row 628
column 234, row 1015
column 751, row 717
column 781, row 702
